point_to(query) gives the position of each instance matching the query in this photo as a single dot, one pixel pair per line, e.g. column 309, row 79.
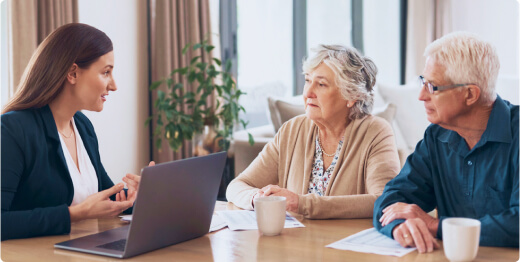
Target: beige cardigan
column 367, row 161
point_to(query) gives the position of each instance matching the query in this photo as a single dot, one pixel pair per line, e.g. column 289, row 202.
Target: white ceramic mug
column 460, row 237
column 270, row 214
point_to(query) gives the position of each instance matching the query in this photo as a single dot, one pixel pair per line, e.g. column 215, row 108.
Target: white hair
column 467, row 60
column 355, row 75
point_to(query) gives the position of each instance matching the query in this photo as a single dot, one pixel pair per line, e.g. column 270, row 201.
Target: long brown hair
column 45, row 75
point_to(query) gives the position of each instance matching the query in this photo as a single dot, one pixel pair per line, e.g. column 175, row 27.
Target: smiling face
column 323, row 100
column 442, row 107
column 94, row 82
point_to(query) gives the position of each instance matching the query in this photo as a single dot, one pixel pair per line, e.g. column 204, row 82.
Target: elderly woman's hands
column 132, row 182
column 274, row 190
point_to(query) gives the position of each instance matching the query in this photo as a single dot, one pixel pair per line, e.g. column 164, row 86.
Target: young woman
column 51, row 169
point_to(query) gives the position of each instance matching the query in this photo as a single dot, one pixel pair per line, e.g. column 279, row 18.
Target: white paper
column 216, row 222
column 371, row 241
column 126, row 217
column 246, row 220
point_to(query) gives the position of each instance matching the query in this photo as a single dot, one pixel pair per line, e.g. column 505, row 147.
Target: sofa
column 398, row 104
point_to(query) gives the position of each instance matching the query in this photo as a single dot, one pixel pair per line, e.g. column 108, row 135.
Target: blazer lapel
column 53, row 140
column 89, row 141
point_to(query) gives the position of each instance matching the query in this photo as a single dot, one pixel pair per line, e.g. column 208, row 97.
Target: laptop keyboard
column 116, row 245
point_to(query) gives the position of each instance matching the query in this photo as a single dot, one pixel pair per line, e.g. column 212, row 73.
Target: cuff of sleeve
column 63, row 211
column 250, row 199
column 301, row 205
column 387, row 230
column 439, row 228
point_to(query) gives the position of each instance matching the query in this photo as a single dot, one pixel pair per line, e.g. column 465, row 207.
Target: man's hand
column 414, row 233
column 407, row 211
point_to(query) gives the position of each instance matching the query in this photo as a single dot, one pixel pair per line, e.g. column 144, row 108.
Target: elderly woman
column 335, row 161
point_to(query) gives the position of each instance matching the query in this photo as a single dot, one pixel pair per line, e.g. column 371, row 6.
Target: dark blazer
column 36, row 185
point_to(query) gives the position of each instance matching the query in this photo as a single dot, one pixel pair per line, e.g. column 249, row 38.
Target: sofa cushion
column 387, row 112
column 283, row 109
column 410, row 115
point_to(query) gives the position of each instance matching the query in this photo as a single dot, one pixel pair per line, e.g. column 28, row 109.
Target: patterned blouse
column 319, row 179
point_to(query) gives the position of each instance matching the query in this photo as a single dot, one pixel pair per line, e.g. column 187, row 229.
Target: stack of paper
column 246, row 220
column 237, row 220
column 371, row 241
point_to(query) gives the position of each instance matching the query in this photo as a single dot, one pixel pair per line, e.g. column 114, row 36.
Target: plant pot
column 206, row 142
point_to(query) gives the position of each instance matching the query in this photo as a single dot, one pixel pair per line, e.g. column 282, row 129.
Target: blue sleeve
column 501, row 230
column 413, row 185
column 24, row 223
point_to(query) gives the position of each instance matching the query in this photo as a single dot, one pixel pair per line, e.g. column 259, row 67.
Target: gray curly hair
column 355, row 75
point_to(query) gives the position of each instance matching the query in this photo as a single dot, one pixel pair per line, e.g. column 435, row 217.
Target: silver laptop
column 175, row 203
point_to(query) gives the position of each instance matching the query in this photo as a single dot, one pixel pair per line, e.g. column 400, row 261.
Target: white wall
column 123, row 138
column 497, row 22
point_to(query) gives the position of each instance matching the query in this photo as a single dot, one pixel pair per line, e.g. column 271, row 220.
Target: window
column 273, row 37
column 381, row 38
column 265, row 53
column 328, row 22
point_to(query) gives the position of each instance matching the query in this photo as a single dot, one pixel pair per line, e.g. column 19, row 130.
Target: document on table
column 216, row 222
column 371, row 241
column 246, row 220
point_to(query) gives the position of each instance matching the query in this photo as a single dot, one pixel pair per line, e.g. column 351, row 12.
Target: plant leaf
column 197, row 46
column 228, row 65
column 208, row 48
column 155, row 84
column 251, row 139
column 185, row 48
column 219, row 63
column 193, row 60
column 147, row 121
column 160, row 95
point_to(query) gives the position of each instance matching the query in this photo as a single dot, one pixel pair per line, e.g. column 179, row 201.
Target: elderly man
column 467, row 163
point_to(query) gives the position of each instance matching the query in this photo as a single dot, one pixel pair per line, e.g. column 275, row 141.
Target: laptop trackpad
column 96, row 242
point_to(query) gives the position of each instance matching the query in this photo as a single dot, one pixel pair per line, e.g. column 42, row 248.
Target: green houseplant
column 181, row 115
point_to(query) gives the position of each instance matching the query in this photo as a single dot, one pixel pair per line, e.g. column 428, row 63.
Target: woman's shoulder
column 376, row 122
column 295, row 124
column 373, row 126
column 26, row 117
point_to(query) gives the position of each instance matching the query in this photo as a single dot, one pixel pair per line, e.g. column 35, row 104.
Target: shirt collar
column 498, row 128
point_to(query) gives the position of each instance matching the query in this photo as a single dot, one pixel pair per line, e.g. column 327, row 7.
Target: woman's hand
column 274, row 190
column 132, row 183
column 99, row 205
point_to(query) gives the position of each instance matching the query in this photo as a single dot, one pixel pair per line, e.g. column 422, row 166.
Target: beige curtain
column 174, row 23
column 427, row 20
column 30, row 22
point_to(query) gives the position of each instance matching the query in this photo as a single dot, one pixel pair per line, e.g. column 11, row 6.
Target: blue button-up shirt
column 480, row 183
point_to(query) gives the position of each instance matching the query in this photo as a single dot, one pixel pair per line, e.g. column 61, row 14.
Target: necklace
column 323, row 150
column 71, row 133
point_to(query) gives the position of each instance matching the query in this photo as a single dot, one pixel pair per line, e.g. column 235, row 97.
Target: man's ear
column 472, row 94
column 72, row 74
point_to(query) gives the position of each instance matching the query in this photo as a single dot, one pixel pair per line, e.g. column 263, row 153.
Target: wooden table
column 295, row 244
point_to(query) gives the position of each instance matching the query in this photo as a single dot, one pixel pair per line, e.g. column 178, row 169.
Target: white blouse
column 84, row 180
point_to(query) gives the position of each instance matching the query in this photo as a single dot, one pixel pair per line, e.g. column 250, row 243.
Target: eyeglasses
column 431, row 88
